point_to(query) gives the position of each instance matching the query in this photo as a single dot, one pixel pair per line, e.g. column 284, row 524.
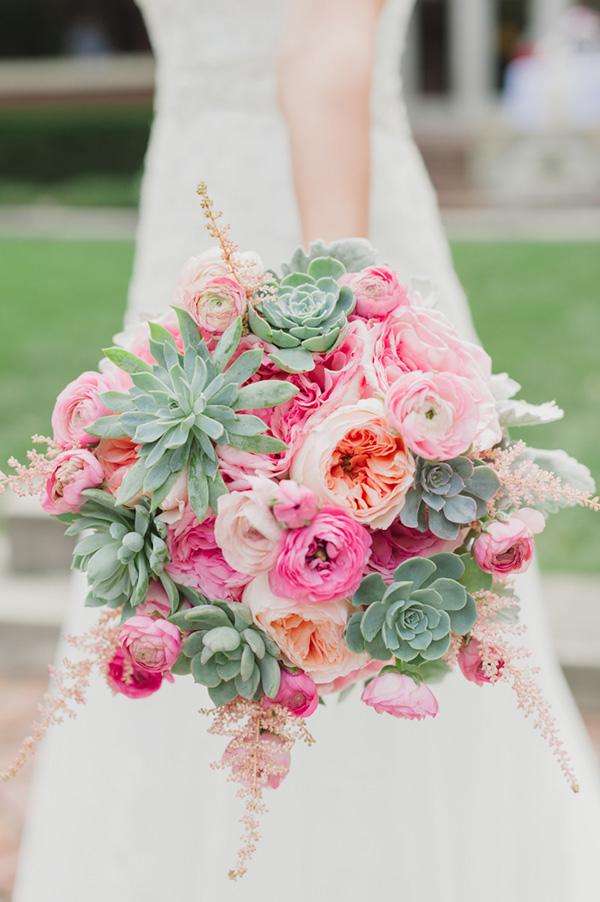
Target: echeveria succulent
column 227, row 653
column 182, row 406
column 307, row 313
column 120, row 550
column 412, row 618
column 448, row 495
column 353, row 253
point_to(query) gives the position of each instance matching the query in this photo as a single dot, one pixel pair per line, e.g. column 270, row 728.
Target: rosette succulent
column 353, row 253
column 227, row 653
column 121, row 550
column 413, row 617
column 307, row 313
column 447, row 495
column 179, row 408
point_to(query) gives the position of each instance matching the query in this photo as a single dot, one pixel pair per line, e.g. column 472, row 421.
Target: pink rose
column 295, row 506
column 123, row 677
column 72, row 472
column 398, row 694
column 274, row 760
column 355, row 461
column 156, row 602
column 117, row 456
column 435, row 413
column 246, row 529
column 78, row 406
column 297, row 692
column 322, row 561
column 470, row 661
column 355, row 676
column 377, row 292
column 507, row 547
column 153, row 644
column 197, row 560
column 398, row 543
column 311, row 636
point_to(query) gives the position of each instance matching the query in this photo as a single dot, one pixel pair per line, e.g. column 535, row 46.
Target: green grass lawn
column 536, row 307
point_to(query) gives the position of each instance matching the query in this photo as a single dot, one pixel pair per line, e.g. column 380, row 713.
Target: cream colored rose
column 246, row 530
column 310, row 635
column 353, row 459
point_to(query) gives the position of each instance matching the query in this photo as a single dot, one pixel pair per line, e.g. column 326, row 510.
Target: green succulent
column 120, row 549
column 227, row 653
column 447, row 495
column 412, row 618
column 305, row 315
column 181, row 407
column 353, row 253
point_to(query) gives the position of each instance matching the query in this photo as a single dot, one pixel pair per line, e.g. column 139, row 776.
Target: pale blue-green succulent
column 413, row 617
column 227, row 652
column 306, row 314
column 182, row 406
column 353, row 253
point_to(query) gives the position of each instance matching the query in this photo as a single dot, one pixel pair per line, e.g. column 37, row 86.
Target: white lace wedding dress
column 470, row 806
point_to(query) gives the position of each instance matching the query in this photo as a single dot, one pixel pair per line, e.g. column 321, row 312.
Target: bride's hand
column 325, row 67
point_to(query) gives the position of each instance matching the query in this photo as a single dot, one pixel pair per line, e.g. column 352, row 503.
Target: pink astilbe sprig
column 250, row 759
column 526, row 483
column 491, row 630
column 69, row 684
column 29, row 478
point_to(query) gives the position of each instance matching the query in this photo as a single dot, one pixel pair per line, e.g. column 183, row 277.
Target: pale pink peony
column 398, row 694
column 353, row 460
column 435, row 413
column 128, row 680
column 297, row 692
column 156, row 602
column 377, row 291
column 78, row 406
column 311, row 636
column 470, row 661
column 398, row 543
column 72, row 472
column 322, row 561
column 275, row 760
column 370, row 669
column 117, row 456
column 153, row 644
column 296, row 505
column 246, row 529
column 197, row 560
column 507, row 547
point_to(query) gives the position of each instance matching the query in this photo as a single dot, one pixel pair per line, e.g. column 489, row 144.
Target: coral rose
column 246, row 529
column 128, row 680
column 353, row 460
column 323, row 560
column 78, row 406
column 398, row 694
column 72, row 472
column 117, row 456
column 297, row 692
column 311, row 636
column 377, row 291
column 153, row 644
column 470, row 661
column 507, row 547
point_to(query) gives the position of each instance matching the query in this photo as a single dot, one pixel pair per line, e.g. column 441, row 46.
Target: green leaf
column 484, row 483
column 268, row 393
column 171, row 590
column 182, row 666
column 322, row 267
column 116, row 400
column 370, row 590
column 354, row 637
column 462, row 621
column 206, row 674
column 222, row 638
column 254, row 640
column 132, row 483
column 247, row 663
column 293, row 360
column 205, row 617
column 416, row 570
column 192, row 644
column 197, row 489
column 258, row 444
column 127, row 361
column 228, row 344
column 270, row 674
column 372, row 620
column 474, row 579
column 247, row 688
column 216, row 488
column 246, row 424
column 448, row 565
column 106, row 427
column 223, row 694
column 192, row 339
column 244, row 367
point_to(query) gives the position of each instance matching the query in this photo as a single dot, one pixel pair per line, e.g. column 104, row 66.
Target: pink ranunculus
column 470, row 661
column 507, row 546
column 435, row 413
column 398, row 543
column 117, row 456
column 199, row 270
column 370, row 669
column 311, row 636
column 128, row 680
column 398, row 694
column 215, row 304
column 322, row 561
column 246, row 530
column 78, row 406
column 197, row 560
column 296, row 505
column 274, row 760
column 156, row 602
column 153, row 644
column 297, row 692
column 353, row 459
column 72, row 472
column 377, row 292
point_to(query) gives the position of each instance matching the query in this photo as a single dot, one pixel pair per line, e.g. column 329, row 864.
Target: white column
column 544, row 14
column 472, row 28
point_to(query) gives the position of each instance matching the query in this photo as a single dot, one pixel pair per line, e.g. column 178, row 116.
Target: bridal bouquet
column 292, row 483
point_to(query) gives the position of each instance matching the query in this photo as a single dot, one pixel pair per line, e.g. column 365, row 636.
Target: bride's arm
column 325, row 68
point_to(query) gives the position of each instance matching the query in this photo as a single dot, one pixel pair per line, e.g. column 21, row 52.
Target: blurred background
column 504, row 98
